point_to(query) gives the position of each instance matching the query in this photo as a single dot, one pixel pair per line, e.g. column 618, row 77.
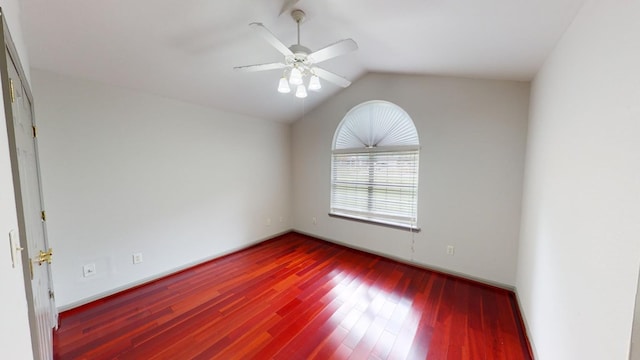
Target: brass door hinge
column 44, row 215
column 52, row 295
column 35, row 131
column 45, row 257
column 11, row 91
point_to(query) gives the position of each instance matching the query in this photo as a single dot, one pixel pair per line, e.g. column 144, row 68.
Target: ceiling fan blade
column 260, row 67
column 331, row 77
column 271, row 39
column 336, row 49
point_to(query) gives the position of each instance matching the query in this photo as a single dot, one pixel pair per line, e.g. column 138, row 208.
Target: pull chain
column 413, row 245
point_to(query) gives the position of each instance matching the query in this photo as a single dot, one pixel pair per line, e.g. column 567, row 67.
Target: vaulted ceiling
column 187, row 49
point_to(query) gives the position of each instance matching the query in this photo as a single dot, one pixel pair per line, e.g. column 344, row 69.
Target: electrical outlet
column 314, row 220
column 89, row 270
column 137, row 258
column 451, row 250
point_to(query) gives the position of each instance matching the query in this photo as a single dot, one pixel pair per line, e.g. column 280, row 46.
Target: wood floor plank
column 297, row 297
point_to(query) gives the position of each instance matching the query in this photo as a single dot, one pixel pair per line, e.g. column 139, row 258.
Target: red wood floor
column 296, row 297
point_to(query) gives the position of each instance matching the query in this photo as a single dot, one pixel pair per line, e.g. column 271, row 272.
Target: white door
column 31, row 217
column 635, row 333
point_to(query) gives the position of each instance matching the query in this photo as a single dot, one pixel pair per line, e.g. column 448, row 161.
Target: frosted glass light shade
column 296, row 77
column 314, row 83
column 301, row 92
column 283, row 86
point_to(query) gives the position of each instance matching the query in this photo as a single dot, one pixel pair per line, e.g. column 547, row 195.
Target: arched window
column 374, row 167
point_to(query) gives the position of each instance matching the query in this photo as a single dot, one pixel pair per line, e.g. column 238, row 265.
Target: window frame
column 384, row 210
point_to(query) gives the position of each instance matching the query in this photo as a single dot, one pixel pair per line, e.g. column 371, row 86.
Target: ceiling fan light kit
column 300, row 63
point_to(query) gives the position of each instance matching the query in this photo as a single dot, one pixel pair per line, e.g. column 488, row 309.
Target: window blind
column 376, row 186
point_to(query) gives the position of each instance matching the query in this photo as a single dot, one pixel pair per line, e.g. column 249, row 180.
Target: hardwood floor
column 296, row 297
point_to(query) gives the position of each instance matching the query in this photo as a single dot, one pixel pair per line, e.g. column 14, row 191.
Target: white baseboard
column 525, row 324
column 165, row 273
column 416, row 264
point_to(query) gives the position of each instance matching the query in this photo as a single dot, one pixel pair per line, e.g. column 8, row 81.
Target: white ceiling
column 186, row 49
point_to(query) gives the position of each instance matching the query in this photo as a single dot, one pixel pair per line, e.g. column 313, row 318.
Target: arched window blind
column 374, row 168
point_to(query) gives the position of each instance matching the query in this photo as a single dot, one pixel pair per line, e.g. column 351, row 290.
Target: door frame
column 8, row 45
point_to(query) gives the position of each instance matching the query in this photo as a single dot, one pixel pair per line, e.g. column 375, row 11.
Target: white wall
column 580, row 243
column 15, row 338
column 127, row 172
column 472, row 134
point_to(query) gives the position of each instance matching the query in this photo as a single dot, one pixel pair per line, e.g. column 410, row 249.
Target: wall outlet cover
column 89, row 270
column 451, row 250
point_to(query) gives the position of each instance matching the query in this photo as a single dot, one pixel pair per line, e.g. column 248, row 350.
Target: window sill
column 375, row 222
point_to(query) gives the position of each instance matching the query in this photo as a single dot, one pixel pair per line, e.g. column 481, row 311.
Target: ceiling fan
column 300, row 63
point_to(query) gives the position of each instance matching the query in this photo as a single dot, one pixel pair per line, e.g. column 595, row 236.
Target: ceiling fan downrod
column 298, row 16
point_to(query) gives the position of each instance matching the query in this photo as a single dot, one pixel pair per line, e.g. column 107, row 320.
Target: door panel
column 33, row 239
column 635, row 333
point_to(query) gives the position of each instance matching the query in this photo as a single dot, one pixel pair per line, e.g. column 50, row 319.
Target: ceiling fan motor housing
column 299, row 58
column 298, row 49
